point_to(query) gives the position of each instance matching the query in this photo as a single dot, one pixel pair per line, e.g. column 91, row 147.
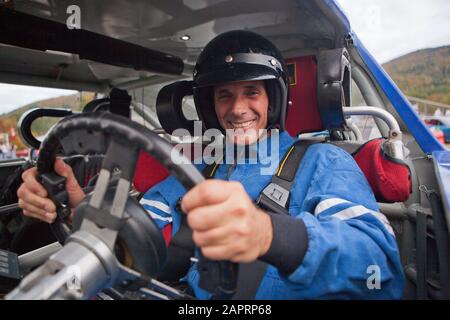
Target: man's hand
column 33, row 198
column 226, row 224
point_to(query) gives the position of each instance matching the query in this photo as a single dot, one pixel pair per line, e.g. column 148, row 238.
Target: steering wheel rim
column 92, row 133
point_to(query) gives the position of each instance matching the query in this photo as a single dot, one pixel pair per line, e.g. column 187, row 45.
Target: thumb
column 73, row 189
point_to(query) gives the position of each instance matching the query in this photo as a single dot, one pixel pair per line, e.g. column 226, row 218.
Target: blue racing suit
column 351, row 250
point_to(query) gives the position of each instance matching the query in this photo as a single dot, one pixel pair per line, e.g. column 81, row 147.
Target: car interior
column 334, row 99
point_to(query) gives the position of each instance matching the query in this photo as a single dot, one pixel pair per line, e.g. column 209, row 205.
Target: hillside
column 423, row 74
column 72, row 102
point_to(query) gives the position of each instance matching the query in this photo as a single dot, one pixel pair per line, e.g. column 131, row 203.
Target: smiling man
column 241, row 109
column 326, row 238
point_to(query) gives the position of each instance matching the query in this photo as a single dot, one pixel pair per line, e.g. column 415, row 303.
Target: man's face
column 242, row 107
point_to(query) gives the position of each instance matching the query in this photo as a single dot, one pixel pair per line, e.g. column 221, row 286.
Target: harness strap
column 179, row 253
column 276, row 195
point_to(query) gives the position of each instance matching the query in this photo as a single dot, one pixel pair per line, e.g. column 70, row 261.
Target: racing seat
column 320, row 92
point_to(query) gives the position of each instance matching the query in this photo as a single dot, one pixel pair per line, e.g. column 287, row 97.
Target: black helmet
column 240, row 56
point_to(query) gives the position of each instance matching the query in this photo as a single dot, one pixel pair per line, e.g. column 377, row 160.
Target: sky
column 388, row 29
column 392, row 28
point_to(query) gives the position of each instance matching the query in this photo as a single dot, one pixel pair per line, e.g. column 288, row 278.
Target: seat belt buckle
column 274, row 198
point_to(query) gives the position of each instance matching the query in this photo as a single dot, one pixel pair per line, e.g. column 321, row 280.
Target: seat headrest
column 319, row 88
column 333, row 86
column 169, row 104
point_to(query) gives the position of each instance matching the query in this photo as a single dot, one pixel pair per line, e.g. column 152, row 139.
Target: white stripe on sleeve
column 327, row 204
column 357, row 211
column 157, row 204
column 158, row 217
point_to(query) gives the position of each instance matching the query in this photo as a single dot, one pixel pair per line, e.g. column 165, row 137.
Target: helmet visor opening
column 235, row 73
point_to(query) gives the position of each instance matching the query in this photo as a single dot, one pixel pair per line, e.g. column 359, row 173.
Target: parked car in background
column 440, row 126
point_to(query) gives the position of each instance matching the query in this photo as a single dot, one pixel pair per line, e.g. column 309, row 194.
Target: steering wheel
column 139, row 242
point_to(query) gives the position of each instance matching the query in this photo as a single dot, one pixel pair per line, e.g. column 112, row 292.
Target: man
column 333, row 243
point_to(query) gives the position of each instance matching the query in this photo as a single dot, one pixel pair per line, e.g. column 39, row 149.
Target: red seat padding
column 303, row 115
column 167, row 233
column 148, row 172
column 389, row 179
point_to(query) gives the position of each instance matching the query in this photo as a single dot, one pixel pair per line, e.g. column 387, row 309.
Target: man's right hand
column 33, row 198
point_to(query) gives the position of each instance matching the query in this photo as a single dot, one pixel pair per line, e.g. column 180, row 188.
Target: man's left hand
column 226, row 224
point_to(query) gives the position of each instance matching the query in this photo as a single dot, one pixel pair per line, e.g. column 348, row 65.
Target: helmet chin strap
column 283, row 111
